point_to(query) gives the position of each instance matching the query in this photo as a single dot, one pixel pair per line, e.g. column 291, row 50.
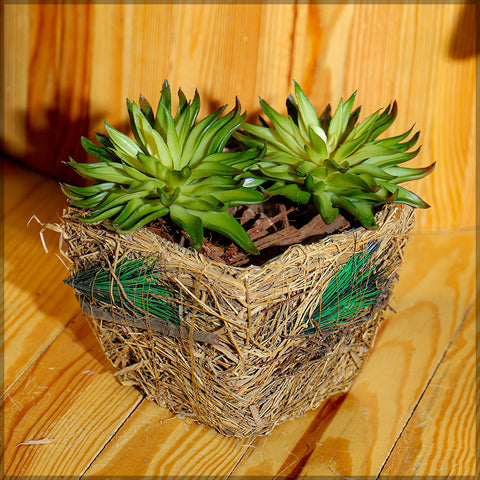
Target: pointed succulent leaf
column 239, row 196
column 318, row 141
column 122, row 142
column 307, row 114
column 151, row 166
column 146, row 109
column 104, row 140
column 105, row 215
column 352, row 121
column 133, row 112
column 322, row 200
column 325, row 118
column 370, row 169
column 101, row 153
column 292, row 109
column 224, row 223
column 386, row 119
column 155, row 143
column 165, row 98
column 183, row 104
column 141, row 216
column 197, row 132
column 392, row 159
column 339, row 122
column 403, row 174
column 278, row 121
column 204, row 203
column 172, row 141
column 101, row 171
column 189, row 222
column 291, row 191
column 358, row 208
column 223, row 135
column 404, row 195
column 90, row 189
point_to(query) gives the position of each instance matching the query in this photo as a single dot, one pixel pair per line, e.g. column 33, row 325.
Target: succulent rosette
column 174, row 166
column 334, row 161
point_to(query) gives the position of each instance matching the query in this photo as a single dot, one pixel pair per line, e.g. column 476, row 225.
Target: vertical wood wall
column 69, row 67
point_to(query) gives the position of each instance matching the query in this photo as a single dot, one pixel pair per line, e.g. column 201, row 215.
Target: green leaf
column 224, row 133
column 155, row 143
column 323, row 203
column 318, row 143
column 239, row 196
column 146, row 109
column 173, row 143
column 120, row 197
column 152, row 166
column 86, row 202
column 189, row 222
column 104, row 215
column 204, row 203
column 395, row 141
column 90, row 189
column 142, row 216
column 133, row 112
column 373, row 170
column 291, row 191
column 348, row 180
column 122, row 141
column 226, row 224
column 392, row 159
column 183, row 105
column 98, row 152
column 292, row 109
column 404, row 195
column 339, row 122
column 165, row 98
column 208, row 169
column 402, row 174
column 207, row 184
column 278, row 121
column 358, row 208
column 104, row 140
column 198, row 132
column 307, row 114
column 347, row 149
column 101, row 171
column 386, row 119
column 315, row 158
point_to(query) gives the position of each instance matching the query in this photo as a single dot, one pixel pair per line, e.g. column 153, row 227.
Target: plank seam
column 247, row 452
column 37, row 357
column 427, row 384
column 110, row 438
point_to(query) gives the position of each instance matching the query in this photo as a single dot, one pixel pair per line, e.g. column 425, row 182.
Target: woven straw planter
column 244, row 357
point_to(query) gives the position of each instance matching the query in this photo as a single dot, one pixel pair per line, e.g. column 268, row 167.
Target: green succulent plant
column 175, row 166
column 332, row 160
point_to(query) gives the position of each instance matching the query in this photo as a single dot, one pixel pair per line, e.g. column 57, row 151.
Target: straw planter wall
column 249, row 349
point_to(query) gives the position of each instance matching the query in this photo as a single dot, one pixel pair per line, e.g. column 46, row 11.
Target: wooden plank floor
column 410, row 412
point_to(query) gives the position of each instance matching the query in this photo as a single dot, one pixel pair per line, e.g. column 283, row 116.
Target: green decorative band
column 132, row 286
column 354, row 289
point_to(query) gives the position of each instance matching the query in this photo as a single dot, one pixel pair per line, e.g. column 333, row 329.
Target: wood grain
column 440, row 436
column 63, row 394
column 37, row 304
column 352, row 436
column 70, row 66
column 154, row 442
column 68, row 395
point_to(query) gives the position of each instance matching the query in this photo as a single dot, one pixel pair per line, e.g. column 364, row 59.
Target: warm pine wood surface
column 411, row 410
column 69, row 67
